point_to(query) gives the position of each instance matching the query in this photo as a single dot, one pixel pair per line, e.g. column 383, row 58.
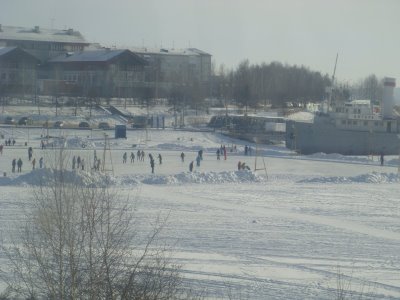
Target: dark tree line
column 371, row 88
column 274, row 83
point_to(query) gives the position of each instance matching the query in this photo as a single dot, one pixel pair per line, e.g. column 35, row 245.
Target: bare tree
column 81, row 242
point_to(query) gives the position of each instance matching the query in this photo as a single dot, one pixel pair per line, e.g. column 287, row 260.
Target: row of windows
column 364, row 123
column 44, row 46
column 364, row 117
column 342, row 110
column 94, row 78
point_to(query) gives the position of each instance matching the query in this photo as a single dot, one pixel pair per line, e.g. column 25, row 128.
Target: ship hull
column 308, row 138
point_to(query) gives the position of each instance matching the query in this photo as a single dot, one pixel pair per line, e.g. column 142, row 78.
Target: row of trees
column 368, row 88
column 274, row 83
column 248, row 85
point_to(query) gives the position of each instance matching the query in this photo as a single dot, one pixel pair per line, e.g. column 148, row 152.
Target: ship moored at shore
column 355, row 127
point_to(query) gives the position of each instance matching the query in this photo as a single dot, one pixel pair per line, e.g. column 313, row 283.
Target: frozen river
column 285, row 236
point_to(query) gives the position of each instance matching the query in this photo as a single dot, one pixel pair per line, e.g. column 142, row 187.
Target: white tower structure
column 388, row 97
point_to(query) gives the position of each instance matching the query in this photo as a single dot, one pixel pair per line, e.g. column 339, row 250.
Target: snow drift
column 373, row 177
column 44, row 176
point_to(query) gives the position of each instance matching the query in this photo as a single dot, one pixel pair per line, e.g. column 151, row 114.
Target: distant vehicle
column 104, row 125
column 24, row 121
column 139, row 122
column 58, row 124
column 9, row 120
column 84, row 125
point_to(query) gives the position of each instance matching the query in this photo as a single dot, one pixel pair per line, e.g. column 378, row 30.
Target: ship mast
column 332, row 83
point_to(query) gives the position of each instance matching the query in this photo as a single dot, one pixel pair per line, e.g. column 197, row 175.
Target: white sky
column 302, row 32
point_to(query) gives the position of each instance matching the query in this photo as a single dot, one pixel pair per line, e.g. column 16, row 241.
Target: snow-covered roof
column 165, row 51
column 5, row 50
column 102, row 55
column 41, row 34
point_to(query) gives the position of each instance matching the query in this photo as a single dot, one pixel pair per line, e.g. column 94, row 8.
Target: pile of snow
column 39, row 177
column 373, row 177
column 243, row 176
column 44, row 176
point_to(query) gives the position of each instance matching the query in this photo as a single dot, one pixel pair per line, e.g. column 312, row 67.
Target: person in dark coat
column 218, row 154
column 198, row 160
column 382, row 158
column 183, row 157
column 30, row 151
column 19, row 164
column 124, row 157
column 132, row 157
column 191, row 167
column 160, row 158
column 41, row 162
column 142, row 153
column 13, row 164
column 152, row 165
column 201, row 154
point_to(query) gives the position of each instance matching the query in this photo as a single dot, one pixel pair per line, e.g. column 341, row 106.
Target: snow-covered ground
column 280, row 233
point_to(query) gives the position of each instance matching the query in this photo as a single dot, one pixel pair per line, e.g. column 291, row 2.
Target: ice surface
column 278, row 233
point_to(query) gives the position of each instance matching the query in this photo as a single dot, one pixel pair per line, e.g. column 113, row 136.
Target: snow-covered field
column 283, row 233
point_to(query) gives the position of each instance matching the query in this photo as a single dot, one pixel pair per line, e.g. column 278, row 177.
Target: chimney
column 36, row 29
column 70, row 31
column 388, row 97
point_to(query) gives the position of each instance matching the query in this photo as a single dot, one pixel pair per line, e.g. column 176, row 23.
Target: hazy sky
column 301, row 32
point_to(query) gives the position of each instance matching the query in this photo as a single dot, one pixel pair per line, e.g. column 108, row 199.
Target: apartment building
column 42, row 43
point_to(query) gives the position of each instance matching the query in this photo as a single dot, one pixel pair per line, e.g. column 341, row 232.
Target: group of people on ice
column 18, row 163
column 78, row 163
column 9, row 142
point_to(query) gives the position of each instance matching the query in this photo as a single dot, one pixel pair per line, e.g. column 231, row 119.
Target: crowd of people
column 78, row 162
